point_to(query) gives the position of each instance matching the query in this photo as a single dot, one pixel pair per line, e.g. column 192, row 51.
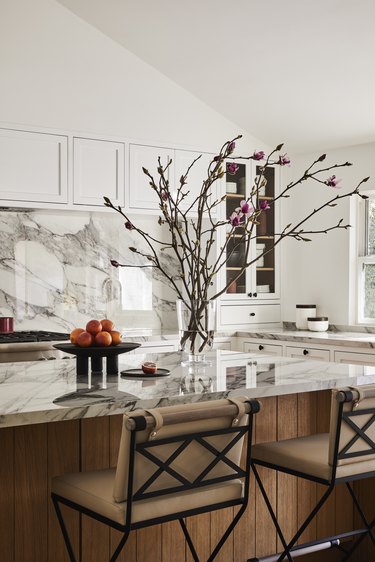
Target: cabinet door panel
column 197, row 174
column 354, row 358
column 265, row 348
column 33, row 166
column 141, row 195
column 98, row 171
column 251, row 314
column 308, row 352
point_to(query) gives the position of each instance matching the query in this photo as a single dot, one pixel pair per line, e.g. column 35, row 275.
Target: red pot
column 6, row 324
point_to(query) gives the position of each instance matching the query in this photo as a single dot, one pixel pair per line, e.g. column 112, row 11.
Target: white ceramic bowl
column 318, row 324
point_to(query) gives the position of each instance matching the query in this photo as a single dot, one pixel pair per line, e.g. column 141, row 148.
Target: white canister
column 318, row 324
column 303, row 312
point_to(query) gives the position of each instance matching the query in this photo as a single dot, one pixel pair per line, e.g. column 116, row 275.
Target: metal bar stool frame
column 140, row 423
column 344, row 396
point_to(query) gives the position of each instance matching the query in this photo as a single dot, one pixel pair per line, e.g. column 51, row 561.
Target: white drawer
column 354, row 358
column 249, row 314
column 266, row 348
column 308, row 353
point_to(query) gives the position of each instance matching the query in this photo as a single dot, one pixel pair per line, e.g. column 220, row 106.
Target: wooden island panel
column 31, row 455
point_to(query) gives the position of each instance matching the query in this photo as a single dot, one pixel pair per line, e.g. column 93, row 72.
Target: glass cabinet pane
column 265, row 233
column 236, row 248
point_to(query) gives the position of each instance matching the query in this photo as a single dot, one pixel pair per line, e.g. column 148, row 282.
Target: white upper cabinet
column 140, row 193
column 99, row 170
column 197, row 174
column 33, row 167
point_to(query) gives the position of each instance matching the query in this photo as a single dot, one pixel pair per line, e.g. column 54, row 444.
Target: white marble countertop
column 348, row 339
column 39, row 392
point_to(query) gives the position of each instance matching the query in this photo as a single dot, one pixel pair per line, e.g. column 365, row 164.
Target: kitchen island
column 53, row 422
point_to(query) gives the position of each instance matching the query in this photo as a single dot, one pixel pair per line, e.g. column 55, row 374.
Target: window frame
column 363, row 258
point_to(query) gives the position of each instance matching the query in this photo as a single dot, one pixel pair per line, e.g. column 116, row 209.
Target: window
column 366, row 269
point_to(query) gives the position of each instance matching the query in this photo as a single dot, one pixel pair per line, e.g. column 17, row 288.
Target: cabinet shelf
column 265, row 198
column 235, row 195
column 265, row 237
column 265, row 269
column 233, row 268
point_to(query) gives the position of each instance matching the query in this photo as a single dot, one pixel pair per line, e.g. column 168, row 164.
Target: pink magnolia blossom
column 264, row 205
column 333, row 181
column 231, row 147
column 245, row 208
column 258, row 155
column 284, row 160
column 235, row 219
column 232, row 168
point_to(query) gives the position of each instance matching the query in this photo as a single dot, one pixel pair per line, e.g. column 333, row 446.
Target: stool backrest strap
column 356, row 425
column 160, row 439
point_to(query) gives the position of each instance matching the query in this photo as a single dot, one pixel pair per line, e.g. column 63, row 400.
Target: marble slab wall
column 55, row 272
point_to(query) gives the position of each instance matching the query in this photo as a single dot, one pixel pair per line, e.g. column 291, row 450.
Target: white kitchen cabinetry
column 33, row 167
column 264, row 348
column 98, row 171
column 308, row 352
column 140, row 195
column 354, row 358
column 241, row 314
column 259, row 283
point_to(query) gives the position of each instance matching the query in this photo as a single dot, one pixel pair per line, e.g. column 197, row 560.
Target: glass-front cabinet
column 261, row 280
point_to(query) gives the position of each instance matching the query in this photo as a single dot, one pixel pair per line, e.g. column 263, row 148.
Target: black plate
column 139, row 374
column 110, row 351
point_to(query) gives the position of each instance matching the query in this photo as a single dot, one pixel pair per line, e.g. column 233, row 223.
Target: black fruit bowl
column 96, row 355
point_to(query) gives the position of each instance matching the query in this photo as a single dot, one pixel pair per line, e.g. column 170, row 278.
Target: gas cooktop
column 32, row 336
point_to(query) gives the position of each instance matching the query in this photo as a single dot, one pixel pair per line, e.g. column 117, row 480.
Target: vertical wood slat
column 31, row 493
column 220, row 520
column 129, row 552
column 287, row 413
column 63, row 457
column 94, row 455
column 244, row 532
column 306, row 491
column 326, row 518
column 266, row 430
column 199, row 528
column 7, row 494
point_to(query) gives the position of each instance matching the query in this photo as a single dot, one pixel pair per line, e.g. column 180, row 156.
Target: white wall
column 59, row 72
column 322, row 272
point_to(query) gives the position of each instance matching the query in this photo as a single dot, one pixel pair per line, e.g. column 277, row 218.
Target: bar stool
column 173, row 462
column 345, row 454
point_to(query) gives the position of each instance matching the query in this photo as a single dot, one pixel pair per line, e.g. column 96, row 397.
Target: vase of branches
column 194, row 242
column 196, row 326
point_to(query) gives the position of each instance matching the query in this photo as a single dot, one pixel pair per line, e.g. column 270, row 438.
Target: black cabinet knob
column 249, row 294
column 255, row 295
column 260, row 347
column 252, row 313
column 305, row 352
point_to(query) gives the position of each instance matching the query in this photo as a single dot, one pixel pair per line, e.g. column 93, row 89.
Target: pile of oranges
column 99, row 333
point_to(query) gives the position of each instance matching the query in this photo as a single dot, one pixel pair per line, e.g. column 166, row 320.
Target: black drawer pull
column 260, row 347
column 255, row 295
column 252, row 313
column 249, row 294
column 305, row 352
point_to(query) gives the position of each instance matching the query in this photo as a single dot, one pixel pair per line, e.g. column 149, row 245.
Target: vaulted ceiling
column 296, row 71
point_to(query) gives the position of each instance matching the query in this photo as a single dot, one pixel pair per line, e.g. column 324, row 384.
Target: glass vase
column 196, row 327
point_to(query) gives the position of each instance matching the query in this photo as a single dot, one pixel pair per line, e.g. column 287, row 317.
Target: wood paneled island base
column 32, row 455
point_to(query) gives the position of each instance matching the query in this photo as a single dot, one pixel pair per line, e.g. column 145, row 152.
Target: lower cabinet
column 354, row 358
column 266, row 348
column 308, row 352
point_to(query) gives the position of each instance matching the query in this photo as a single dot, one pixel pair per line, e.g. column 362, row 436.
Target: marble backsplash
column 55, row 272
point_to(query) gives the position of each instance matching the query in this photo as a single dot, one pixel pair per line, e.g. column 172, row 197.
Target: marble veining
column 340, row 339
column 55, row 272
column 39, row 392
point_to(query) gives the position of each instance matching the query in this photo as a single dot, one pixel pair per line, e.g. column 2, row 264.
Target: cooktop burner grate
column 33, row 336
